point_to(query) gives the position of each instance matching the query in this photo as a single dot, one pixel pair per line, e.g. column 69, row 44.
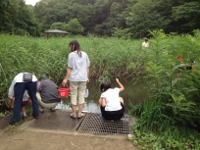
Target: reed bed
column 49, row 56
column 171, row 101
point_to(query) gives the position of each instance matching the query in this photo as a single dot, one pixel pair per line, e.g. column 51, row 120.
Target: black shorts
column 112, row 115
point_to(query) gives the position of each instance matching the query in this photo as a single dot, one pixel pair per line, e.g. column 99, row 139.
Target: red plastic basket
column 63, row 92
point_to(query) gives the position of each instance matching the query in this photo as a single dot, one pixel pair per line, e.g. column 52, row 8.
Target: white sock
column 24, row 113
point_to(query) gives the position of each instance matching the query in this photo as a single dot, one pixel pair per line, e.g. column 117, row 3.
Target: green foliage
column 172, row 138
column 42, row 56
column 143, row 16
column 126, row 19
column 58, row 25
column 173, row 102
column 17, row 18
column 74, row 26
column 188, row 14
column 121, row 33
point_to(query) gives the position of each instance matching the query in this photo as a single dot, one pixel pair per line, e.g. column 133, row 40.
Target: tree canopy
column 121, row 18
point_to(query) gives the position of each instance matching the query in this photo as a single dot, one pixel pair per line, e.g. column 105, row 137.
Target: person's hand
column 10, row 103
column 30, row 102
column 88, row 81
column 117, row 80
column 64, row 82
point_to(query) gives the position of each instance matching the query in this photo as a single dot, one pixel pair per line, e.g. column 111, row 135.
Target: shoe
column 24, row 116
column 12, row 122
column 73, row 116
column 81, row 116
column 52, row 110
column 36, row 117
column 100, row 116
column 41, row 110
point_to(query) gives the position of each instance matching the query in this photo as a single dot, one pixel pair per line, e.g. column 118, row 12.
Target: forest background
column 111, row 31
column 118, row 18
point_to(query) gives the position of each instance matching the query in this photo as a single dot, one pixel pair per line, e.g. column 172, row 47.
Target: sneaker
column 36, row 117
column 41, row 110
column 24, row 116
column 12, row 122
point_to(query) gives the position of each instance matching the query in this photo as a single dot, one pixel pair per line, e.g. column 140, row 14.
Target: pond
column 134, row 93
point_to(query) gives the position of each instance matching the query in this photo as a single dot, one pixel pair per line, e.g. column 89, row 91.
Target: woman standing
column 78, row 76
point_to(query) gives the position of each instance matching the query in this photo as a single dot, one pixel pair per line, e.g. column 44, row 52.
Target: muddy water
column 134, row 93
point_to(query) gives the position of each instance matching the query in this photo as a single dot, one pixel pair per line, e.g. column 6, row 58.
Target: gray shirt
column 49, row 91
column 79, row 67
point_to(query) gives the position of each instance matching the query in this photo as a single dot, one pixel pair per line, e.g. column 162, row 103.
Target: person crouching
column 111, row 104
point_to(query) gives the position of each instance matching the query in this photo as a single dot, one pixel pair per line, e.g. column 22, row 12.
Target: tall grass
column 171, row 101
column 108, row 56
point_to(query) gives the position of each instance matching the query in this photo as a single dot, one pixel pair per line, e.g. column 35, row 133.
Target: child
column 112, row 106
column 25, row 101
column 145, row 44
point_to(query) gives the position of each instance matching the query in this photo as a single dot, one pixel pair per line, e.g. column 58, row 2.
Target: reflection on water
column 134, row 93
column 88, row 107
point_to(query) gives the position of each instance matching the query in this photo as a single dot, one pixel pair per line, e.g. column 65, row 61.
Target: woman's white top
column 79, row 67
column 112, row 99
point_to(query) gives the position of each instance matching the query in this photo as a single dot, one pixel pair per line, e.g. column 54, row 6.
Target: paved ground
column 39, row 139
column 24, row 137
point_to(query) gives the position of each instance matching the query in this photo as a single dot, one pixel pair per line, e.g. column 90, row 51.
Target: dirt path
column 23, row 138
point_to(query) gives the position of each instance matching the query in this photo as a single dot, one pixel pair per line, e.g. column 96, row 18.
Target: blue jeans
column 19, row 89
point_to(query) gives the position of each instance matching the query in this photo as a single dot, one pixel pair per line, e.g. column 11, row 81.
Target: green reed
column 169, row 100
column 108, row 56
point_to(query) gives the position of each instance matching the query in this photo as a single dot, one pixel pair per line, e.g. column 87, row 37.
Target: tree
column 74, row 26
column 17, row 18
column 58, row 25
column 187, row 16
column 144, row 16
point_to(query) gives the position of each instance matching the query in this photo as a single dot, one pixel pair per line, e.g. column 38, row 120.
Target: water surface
column 134, row 93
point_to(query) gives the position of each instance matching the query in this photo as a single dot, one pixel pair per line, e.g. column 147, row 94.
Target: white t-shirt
column 112, row 99
column 145, row 44
column 25, row 96
column 18, row 79
column 79, row 67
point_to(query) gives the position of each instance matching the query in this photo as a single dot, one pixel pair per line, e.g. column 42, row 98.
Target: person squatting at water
column 78, row 76
column 21, row 82
column 47, row 94
column 111, row 105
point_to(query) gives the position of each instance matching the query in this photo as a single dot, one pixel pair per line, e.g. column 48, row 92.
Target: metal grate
column 93, row 123
column 58, row 120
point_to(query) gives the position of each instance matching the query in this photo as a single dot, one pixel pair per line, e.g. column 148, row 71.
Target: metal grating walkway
column 91, row 123
column 59, row 120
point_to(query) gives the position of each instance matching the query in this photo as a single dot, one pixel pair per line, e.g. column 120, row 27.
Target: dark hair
column 76, row 47
column 42, row 77
column 105, row 86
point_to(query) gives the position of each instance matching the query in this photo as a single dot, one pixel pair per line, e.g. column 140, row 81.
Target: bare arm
column 64, row 82
column 121, row 87
column 12, row 101
column 88, row 73
column 102, row 102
